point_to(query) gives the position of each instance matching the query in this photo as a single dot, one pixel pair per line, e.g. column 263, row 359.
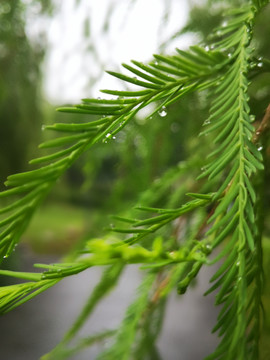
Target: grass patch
column 56, row 228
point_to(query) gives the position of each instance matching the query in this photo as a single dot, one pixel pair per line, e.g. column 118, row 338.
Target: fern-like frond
column 12, row 296
column 107, row 282
column 97, row 252
column 236, row 155
column 126, row 334
column 165, row 80
column 223, row 70
column 142, row 228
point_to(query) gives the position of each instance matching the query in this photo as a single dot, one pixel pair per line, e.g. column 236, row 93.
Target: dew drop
column 156, row 62
column 162, row 112
column 5, row 256
column 225, row 23
column 207, row 122
column 108, row 136
column 252, row 118
column 218, row 33
column 208, row 247
column 260, row 148
column 43, row 127
column 260, row 64
column 207, row 48
column 238, row 263
column 229, row 55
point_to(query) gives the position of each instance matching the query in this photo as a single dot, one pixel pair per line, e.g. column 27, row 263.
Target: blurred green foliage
column 20, row 80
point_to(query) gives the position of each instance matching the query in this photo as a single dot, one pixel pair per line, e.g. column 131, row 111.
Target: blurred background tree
column 20, row 87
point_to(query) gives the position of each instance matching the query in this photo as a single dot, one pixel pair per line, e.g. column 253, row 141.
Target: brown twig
column 160, row 286
column 263, row 127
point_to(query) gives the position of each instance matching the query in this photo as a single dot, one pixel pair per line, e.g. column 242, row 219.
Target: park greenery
column 193, row 172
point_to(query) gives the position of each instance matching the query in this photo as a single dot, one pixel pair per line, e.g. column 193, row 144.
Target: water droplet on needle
column 163, row 111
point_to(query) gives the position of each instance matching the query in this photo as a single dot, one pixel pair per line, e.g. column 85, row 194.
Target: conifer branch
column 233, row 221
column 182, row 74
